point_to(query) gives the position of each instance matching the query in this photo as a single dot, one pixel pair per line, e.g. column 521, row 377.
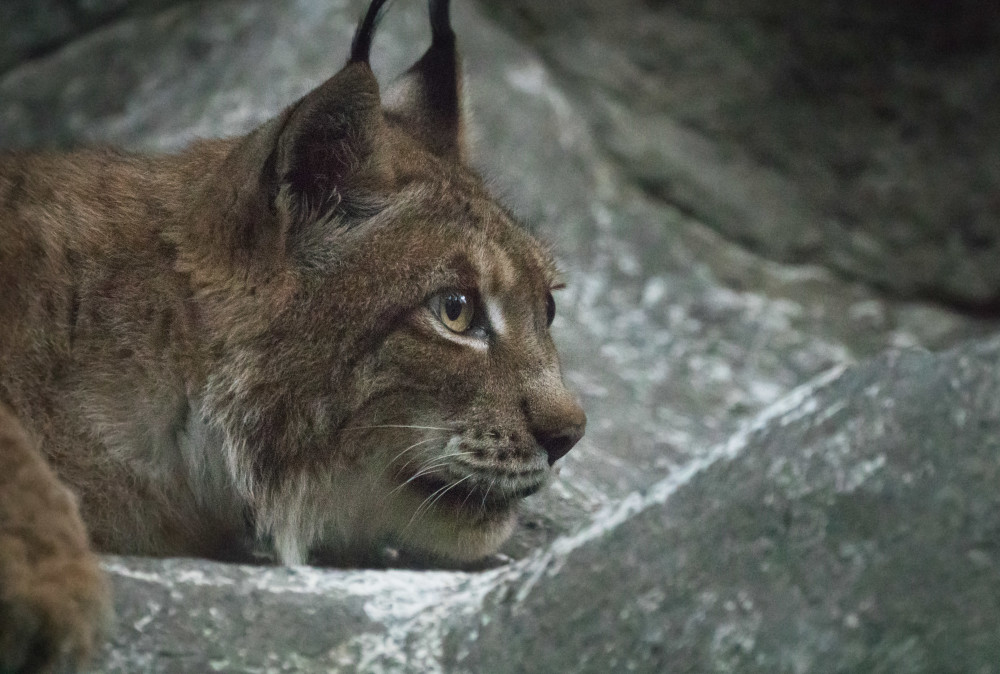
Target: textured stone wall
column 859, row 135
column 32, row 28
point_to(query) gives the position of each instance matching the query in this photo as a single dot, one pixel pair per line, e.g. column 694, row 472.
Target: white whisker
column 425, row 470
column 419, row 507
column 436, row 458
column 482, row 506
column 415, row 444
column 434, row 498
column 466, row 499
column 453, row 485
column 422, row 428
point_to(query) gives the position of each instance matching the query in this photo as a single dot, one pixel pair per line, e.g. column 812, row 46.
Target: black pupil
column 453, row 306
column 550, row 308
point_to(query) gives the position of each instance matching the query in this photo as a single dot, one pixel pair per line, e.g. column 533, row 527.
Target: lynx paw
column 53, row 597
column 51, row 608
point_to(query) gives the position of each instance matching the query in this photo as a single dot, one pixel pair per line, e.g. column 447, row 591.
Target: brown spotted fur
column 230, row 350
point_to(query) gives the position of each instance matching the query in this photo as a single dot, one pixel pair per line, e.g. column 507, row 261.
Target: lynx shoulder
column 323, row 337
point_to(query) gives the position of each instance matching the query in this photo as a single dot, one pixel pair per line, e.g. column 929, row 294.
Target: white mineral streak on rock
column 551, row 560
column 418, row 609
column 117, row 568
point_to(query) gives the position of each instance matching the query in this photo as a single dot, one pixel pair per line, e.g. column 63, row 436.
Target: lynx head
column 377, row 349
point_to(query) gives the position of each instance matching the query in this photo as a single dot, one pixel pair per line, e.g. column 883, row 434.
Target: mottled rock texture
column 860, row 135
column 32, row 28
column 850, row 527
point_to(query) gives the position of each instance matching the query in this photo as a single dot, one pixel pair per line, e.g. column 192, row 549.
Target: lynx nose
column 557, row 445
column 558, row 433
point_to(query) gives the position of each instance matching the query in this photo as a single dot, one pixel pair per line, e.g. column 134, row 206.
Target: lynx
column 324, row 335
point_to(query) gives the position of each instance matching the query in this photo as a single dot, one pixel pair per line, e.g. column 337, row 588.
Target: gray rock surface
column 676, row 338
column 31, row 28
column 851, row 527
column 861, row 135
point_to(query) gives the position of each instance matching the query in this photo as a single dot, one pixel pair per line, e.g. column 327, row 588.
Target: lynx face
column 378, row 353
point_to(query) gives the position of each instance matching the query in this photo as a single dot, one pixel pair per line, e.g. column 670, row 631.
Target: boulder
column 851, row 526
column 32, row 28
column 859, row 135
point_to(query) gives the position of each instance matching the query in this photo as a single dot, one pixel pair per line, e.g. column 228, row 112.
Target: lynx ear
column 324, row 155
column 329, row 151
column 426, row 99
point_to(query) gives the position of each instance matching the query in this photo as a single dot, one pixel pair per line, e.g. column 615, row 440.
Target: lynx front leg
column 53, row 597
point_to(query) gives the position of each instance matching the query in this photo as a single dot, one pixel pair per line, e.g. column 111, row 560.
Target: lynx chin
column 322, row 337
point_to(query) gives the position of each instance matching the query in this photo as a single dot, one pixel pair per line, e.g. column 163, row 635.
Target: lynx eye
column 455, row 309
column 550, row 308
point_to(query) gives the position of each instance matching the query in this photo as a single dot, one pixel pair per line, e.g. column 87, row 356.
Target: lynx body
column 324, row 335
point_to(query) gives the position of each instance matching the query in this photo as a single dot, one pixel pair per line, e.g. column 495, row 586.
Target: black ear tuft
column 361, row 45
column 426, row 100
column 441, row 31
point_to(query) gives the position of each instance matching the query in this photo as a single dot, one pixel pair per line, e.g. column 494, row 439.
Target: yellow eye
column 455, row 309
